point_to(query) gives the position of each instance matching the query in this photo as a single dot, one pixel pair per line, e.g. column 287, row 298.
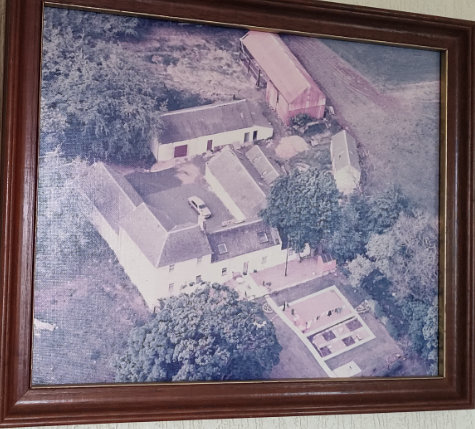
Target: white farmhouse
column 196, row 130
column 345, row 162
column 160, row 242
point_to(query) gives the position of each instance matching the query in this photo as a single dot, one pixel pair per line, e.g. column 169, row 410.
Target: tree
column 407, row 255
column 383, row 210
column 207, row 335
column 304, row 207
column 362, row 216
column 105, row 100
column 423, row 329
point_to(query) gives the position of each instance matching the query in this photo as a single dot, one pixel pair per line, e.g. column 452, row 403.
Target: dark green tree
column 99, row 99
column 362, row 216
column 208, row 335
column 304, row 207
column 422, row 330
column 383, row 210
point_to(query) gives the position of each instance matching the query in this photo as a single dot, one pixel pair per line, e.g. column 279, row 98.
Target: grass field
column 388, row 66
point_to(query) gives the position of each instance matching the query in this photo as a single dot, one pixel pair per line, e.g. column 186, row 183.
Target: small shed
column 290, row 90
column 345, row 162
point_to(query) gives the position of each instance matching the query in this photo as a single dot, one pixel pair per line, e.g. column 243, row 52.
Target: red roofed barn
column 290, row 90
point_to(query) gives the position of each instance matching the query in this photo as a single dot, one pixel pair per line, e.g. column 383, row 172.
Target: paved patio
column 274, row 278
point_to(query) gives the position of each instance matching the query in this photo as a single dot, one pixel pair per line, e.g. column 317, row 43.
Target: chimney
column 202, row 223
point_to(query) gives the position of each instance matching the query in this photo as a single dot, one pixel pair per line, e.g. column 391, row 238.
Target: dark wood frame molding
column 22, row 405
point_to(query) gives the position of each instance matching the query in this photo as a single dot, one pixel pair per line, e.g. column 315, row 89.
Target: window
column 198, row 279
column 222, row 249
column 254, row 135
column 246, row 137
column 262, row 236
column 224, row 271
column 171, row 267
column 171, row 286
column 264, row 260
column 199, row 259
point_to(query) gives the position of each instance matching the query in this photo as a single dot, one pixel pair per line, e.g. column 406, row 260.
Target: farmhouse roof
column 262, row 164
column 279, row 64
column 146, row 232
column 159, row 246
column 111, row 194
column 242, row 239
column 237, row 182
column 210, row 119
column 183, row 245
column 344, row 152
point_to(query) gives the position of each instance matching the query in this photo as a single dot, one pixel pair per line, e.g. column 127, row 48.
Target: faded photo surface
column 222, row 204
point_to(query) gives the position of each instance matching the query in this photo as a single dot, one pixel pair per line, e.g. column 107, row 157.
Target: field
column 398, row 129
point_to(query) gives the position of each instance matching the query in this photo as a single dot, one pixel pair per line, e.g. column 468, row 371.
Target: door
column 245, row 268
column 209, row 145
column 254, row 135
column 181, row 151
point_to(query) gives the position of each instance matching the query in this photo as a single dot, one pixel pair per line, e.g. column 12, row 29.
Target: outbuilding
column 290, row 90
column 189, row 132
column 345, row 162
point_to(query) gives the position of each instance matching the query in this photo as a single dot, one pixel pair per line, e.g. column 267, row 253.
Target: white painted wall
column 465, row 419
column 274, row 256
column 165, row 152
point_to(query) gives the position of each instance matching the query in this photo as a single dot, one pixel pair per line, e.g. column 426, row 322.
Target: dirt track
column 397, row 132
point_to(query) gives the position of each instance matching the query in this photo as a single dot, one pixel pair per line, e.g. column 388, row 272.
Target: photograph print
column 222, row 204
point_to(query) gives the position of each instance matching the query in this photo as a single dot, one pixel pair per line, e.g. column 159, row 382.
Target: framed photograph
column 234, row 209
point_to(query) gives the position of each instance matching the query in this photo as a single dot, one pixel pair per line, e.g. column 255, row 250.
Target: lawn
column 93, row 313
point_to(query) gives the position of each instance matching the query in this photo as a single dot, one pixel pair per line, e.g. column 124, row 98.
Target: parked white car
column 198, row 205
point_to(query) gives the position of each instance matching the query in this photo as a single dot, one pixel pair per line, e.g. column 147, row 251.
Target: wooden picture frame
column 25, row 405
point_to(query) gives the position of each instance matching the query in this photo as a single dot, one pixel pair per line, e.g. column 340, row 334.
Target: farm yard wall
column 199, row 145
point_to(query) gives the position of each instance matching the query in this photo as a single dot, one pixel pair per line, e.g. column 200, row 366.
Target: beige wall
column 433, row 420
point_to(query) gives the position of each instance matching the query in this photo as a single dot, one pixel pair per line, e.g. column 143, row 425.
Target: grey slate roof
column 163, row 248
column 183, row 245
column 262, row 164
column 111, row 194
column 344, row 151
column 228, row 169
column 146, row 232
column 242, row 239
column 187, row 124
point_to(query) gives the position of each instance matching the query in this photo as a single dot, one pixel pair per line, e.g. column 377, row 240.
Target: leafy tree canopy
column 362, row 216
column 207, row 335
column 304, row 207
column 99, row 100
column 407, row 255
